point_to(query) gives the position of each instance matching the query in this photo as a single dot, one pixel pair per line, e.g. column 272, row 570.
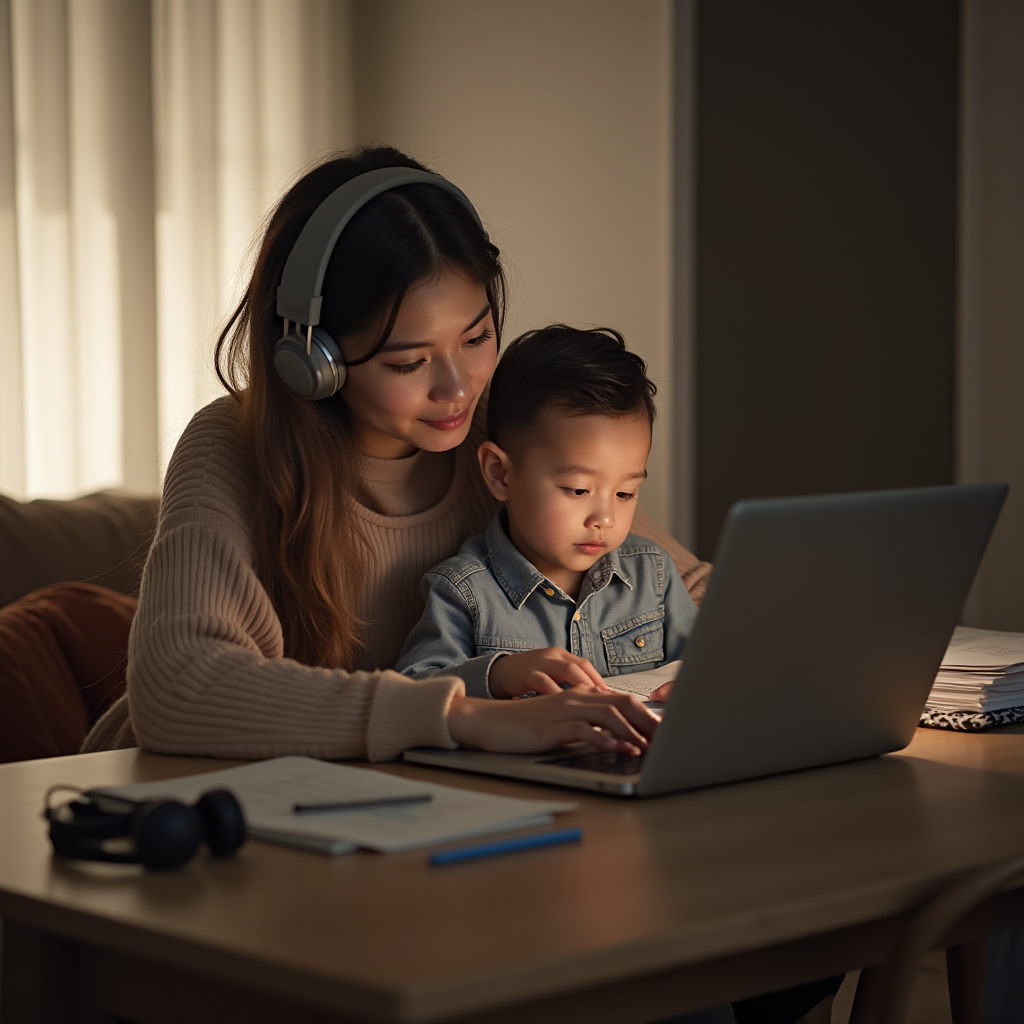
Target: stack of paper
column 982, row 670
column 269, row 790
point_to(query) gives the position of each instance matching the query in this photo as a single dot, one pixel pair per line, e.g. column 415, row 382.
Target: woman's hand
column 547, row 670
column 615, row 722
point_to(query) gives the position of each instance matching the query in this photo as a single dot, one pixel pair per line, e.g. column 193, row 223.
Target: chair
column 883, row 993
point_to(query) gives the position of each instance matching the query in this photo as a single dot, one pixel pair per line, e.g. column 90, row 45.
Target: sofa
column 69, row 576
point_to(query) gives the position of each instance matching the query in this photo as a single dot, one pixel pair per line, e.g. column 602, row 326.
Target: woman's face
column 421, row 389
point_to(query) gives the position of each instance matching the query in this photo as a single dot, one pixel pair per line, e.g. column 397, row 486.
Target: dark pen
column 375, row 801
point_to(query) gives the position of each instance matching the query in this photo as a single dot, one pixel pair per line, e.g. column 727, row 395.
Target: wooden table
column 668, row 905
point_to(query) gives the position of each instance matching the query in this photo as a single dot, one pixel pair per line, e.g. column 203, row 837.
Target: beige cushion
column 101, row 538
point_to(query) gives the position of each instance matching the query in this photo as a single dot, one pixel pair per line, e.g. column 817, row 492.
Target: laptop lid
column 821, row 632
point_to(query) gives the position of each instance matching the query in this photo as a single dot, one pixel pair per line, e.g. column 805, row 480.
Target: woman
column 284, row 575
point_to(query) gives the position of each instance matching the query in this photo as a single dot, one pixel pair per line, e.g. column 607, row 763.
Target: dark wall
column 825, row 251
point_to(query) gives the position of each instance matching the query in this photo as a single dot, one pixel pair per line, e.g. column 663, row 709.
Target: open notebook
column 268, row 791
column 643, row 684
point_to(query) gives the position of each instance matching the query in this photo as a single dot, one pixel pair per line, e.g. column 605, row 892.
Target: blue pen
column 464, row 853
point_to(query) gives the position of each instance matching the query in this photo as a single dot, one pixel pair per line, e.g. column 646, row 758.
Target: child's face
column 572, row 492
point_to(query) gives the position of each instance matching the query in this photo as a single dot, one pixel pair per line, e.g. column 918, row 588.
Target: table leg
column 821, row 1014
column 965, row 969
column 38, row 981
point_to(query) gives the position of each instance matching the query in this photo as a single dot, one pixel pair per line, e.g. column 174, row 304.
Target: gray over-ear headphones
column 307, row 358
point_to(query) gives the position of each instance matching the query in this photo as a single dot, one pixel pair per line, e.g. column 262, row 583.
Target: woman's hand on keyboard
column 547, row 670
column 608, row 721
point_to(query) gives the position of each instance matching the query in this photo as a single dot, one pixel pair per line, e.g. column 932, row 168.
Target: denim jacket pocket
column 635, row 644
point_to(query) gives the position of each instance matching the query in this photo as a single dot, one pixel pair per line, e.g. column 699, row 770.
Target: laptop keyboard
column 600, row 761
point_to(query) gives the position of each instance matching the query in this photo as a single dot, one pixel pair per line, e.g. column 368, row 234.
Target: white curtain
column 141, row 144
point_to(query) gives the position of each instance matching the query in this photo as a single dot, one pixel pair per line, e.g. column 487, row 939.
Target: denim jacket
column 633, row 612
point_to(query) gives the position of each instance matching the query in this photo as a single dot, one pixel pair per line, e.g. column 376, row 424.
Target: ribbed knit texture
column 206, row 672
column 403, row 487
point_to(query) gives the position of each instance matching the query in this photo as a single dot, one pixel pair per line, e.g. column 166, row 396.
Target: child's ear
column 494, row 464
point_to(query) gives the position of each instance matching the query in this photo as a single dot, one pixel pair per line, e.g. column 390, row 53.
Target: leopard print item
column 970, row 721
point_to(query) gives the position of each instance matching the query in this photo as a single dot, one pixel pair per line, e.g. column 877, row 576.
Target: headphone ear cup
column 223, row 821
column 315, row 376
column 331, row 354
column 167, row 833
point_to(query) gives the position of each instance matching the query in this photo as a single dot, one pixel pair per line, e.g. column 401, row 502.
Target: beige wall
column 991, row 372
column 555, row 120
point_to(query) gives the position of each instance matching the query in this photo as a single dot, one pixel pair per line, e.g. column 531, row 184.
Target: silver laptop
column 817, row 642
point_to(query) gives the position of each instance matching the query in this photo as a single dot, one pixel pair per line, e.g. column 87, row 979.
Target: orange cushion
column 63, row 652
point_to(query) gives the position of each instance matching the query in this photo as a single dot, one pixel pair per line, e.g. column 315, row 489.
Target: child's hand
column 548, row 670
column 663, row 692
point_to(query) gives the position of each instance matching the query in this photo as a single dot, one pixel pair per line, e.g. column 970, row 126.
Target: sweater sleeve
column 694, row 572
column 206, row 675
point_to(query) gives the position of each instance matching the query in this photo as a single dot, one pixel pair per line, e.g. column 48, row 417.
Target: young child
column 557, row 591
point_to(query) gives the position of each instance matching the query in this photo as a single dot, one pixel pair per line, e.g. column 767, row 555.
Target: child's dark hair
column 581, row 372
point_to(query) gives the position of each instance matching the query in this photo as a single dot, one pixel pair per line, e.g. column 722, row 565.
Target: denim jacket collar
column 519, row 578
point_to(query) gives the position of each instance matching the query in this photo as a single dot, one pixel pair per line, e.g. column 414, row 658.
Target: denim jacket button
column 576, row 617
column 641, row 642
column 549, row 592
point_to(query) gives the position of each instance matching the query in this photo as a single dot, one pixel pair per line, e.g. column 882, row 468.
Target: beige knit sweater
column 206, row 673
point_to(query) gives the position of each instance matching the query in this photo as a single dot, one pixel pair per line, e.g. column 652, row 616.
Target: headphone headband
column 300, row 296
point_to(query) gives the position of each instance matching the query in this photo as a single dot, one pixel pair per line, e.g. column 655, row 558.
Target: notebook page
column 268, row 790
column 983, row 649
column 643, row 684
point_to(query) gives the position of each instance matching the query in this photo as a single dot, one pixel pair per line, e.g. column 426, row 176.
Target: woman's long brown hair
column 310, row 549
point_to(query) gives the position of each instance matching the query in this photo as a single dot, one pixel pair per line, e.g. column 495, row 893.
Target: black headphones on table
column 307, row 358
column 165, row 833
